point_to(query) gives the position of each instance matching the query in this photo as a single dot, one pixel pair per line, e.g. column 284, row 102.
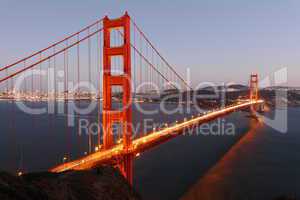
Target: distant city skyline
column 220, row 41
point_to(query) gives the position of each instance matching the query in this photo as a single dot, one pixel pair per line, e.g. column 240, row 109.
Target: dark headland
column 102, row 183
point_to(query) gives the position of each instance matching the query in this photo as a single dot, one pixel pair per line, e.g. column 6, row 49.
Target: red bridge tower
column 122, row 117
column 253, row 89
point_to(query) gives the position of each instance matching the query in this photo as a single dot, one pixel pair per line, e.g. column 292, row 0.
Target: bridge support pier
column 126, row 167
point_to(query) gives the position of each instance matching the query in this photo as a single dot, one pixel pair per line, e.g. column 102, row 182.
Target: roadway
column 147, row 141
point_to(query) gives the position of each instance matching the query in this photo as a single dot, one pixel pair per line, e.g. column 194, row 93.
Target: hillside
column 99, row 184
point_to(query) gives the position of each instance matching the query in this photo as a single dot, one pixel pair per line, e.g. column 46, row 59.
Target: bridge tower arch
column 123, row 117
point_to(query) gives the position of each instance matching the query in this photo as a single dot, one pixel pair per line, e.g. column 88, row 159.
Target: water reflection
column 36, row 142
column 216, row 184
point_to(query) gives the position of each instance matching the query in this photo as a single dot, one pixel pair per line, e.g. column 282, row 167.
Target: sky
column 218, row 40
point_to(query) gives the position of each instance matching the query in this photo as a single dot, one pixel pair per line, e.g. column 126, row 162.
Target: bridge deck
column 147, row 141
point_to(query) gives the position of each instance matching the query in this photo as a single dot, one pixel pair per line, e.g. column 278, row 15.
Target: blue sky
column 219, row 40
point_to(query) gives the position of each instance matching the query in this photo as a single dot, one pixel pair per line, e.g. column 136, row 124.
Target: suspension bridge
column 111, row 61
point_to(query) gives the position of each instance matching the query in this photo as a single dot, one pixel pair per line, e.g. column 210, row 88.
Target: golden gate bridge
column 120, row 65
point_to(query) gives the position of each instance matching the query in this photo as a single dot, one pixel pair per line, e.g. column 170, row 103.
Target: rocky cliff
column 102, row 183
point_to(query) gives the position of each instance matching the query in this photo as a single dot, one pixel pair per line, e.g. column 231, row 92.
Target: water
column 264, row 164
column 256, row 162
column 37, row 142
column 167, row 171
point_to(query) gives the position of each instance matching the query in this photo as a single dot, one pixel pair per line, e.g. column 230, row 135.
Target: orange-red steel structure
column 122, row 116
column 116, row 153
column 149, row 140
column 253, row 90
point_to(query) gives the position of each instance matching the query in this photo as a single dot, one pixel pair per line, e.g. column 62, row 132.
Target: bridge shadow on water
column 264, row 164
column 169, row 170
column 214, row 185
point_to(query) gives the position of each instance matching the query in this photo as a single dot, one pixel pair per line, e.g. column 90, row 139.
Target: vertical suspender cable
column 54, row 66
column 140, row 84
column 25, row 80
column 89, row 62
column 89, row 77
column 78, row 66
column 98, row 62
column 78, row 88
column 98, row 76
column 65, row 73
column 6, row 73
column 32, row 87
column 40, row 76
column 134, row 84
